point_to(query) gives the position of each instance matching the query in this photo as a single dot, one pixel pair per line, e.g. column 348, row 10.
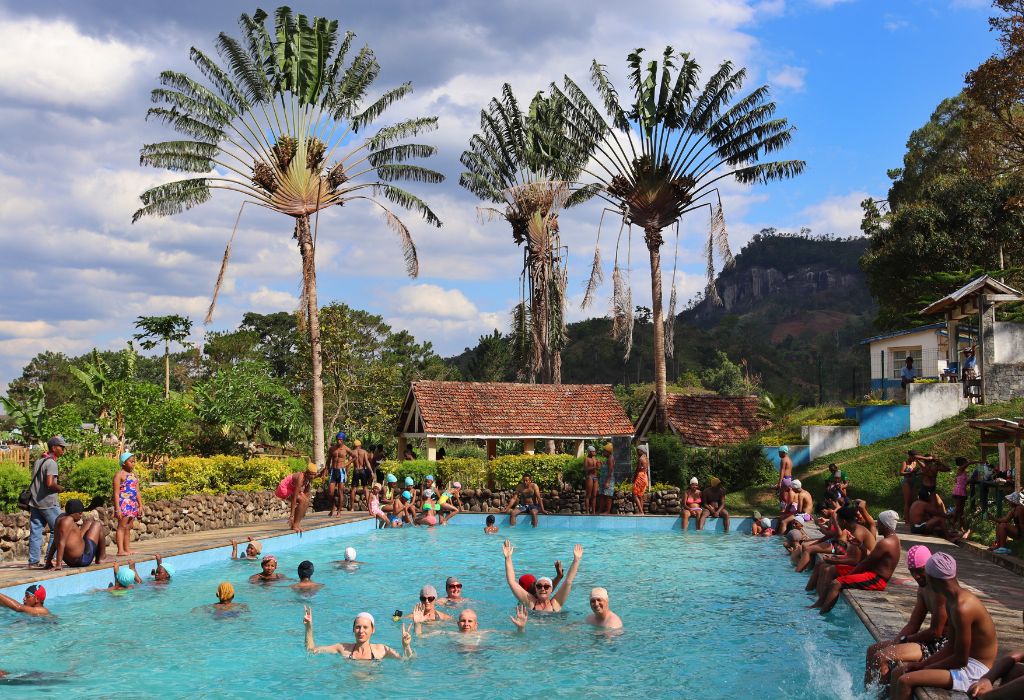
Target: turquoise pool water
column 711, row 615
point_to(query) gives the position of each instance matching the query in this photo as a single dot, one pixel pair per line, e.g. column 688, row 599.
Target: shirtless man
column 714, row 501
column 871, row 574
column 32, row 604
column 590, row 466
column 929, row 467
column 851, row 545
column 78, row 545
column 402, row 510
column 528, row 500
column 912, row 643
column 338, row 460
column 306, row 583
column 362, row 473
column 926, row 517
column 971, row 650
column 801, row 505
column 785, row 469
column 1010, row 670
column 603, row 616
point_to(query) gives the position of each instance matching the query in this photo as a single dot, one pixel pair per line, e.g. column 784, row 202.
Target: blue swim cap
column 784, row 449
column 429, row 477
column 392, row 478
column 168, row 568
column 406, row 495
column 408, row 481
column 125, row 457
column 125, row 576
column 339, row 436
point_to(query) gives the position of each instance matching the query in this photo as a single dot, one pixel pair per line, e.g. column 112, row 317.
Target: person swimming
column 225, row 605
column 349, row 562
column 362, row 649
column 252, row 550
column 489, row 527
column 306, row 583
column 269, row 571
column 543, row 598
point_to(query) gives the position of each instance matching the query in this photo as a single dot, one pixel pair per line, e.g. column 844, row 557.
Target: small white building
column 928, row 345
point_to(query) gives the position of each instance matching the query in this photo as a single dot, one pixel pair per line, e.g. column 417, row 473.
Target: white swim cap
column 350, row 553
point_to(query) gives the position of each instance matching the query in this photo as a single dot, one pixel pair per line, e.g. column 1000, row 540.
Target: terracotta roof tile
column 713, row 421
column 520, row 410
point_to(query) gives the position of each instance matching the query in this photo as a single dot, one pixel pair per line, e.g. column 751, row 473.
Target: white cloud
column 52, row 62
column 892, row 23
column 433, row 301
column 266, row 299
column 839, row 214
column 829, row 3
column 788, row 77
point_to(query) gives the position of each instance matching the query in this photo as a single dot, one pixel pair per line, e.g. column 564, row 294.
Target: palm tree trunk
column 305, row 239
column 167, row 369
column 654, row 242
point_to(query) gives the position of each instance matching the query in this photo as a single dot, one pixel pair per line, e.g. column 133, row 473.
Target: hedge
column 14, row 479
column 739, row 466
column 218, row 473
column 502, row 472
column 94, row 476
column 65, row 496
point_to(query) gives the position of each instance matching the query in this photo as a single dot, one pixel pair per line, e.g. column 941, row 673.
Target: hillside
column 793, row 307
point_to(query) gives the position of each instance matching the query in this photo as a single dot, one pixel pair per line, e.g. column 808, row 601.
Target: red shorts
column 864, row 581
column 843, row 569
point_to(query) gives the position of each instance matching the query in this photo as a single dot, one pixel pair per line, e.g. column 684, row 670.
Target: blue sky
column 855, row 77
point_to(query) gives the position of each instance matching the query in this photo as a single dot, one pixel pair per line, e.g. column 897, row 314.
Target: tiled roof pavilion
column 499, row 410
column 706, row 420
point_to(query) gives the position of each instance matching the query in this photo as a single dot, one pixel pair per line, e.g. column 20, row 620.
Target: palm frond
column 408, row 173
column 400, row 153
column 609, row 96
column 670, row 321
column 767, row 172
column 226, row 87
column 185, row 124
column 409, row 201
column 187, row 156
column 173, row 198
column 223, row 267
column 583, row 194
column 710, row 290
column 396, row 132
column 720, row 235
column 373, row 111
column 595, row 280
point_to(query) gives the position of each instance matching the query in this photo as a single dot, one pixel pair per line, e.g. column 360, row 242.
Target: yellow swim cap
column 608, row 448
column 225, row 592
column 358, row 443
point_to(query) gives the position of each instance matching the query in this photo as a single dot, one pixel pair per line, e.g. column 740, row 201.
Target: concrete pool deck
column 883, row 614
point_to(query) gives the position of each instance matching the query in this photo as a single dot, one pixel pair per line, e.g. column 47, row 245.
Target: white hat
column 350, row 553
column 889, row 519
column 797, row 484
column 643, row 448
column 693, row 480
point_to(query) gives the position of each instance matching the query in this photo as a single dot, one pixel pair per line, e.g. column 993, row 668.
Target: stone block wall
column 1004, row 382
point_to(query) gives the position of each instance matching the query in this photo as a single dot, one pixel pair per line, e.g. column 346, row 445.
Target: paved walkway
column 15, row 573
column 1001, row 590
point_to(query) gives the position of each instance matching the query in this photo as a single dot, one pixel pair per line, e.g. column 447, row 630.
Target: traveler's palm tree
column 661, row 157
column 281, row 123
column 528, row 163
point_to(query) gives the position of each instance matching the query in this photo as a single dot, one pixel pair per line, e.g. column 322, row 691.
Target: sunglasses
column 455, row 585
column 542, row 586
column 427, row 599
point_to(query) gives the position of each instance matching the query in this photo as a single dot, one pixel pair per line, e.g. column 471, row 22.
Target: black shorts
column 362, row 478
column 336, row 476
column 919, row 529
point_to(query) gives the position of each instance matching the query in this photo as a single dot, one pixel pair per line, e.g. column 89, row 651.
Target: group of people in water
column 957, row 650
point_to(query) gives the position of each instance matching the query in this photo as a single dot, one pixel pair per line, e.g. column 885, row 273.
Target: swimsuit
column 88, row 554
column 964, row 678
column 692, row 504
column 372, row 657
column 609, row 490
column 960, row 486
column 374, row 507
column 362, row 477
column 919, row 529
column 128, row 497
column 337, row 476
column 863, row 581
column 933, row 647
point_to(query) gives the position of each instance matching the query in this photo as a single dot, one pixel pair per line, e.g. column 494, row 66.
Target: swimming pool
column 706, row 614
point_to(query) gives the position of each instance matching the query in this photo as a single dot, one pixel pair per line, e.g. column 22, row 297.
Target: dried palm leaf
column 720, row 235
column 670, row 322
column 223, row 267
column 711, row 291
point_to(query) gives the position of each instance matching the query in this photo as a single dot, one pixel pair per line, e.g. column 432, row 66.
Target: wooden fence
column 16, row 453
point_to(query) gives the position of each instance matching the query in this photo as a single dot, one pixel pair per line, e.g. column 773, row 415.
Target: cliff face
column 741, row 291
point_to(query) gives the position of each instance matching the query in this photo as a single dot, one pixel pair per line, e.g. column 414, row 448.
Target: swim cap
column 392, row 478
column 918, row 556
column 599, row 593
column 797, row 484
column 168, row 568
column 409, row 481
column 889, row 519
column 757, row 515
column 456, row 485
column 257, row 545
column 339, row 436
column 125, row 457
column 269, row 557
column 765, row 522
column 1016, row 498
column 350, row 553
column 225, row 592
column 428, row 477
column 526, row 581
column 591, row 448
column 544, row 579
column 608, row 448
column 357, row 443
column 406, row 495
column 366, row 616
column 38, row 591
column 428, row 591
column 428, row 493
column 715, row 481
column 784, row 449
column 125, row 576
column 643, row 448
column 693, row 480
column 941, row 566
column 311, row 468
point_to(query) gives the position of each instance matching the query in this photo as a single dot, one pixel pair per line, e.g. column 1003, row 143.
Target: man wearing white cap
column 871, row 574
column 603, row 616
column 972, row 646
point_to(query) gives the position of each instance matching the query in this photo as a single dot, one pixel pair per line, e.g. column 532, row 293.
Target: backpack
column 25, row 498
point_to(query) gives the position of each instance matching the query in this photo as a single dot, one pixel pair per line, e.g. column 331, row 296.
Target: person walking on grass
column 43, row 504
column 128, row 502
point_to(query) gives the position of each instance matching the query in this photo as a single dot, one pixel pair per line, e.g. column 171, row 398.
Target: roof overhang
column 968, row 300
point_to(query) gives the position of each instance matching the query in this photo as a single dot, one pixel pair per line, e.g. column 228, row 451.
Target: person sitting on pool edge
column 79, row 543
column 306, row 584
column 528, row 500
column 268, row 574
column 125, row 577
column 760, row 526
column 31, row 604
column 714, row 502
column 971, row 650
column 489, row 527
column 871, row 574
column 402, row 509
column 846, row 541
column 800, row 506
column 1010, row 670
column 450, row 502
column 373, row 506
column 543, row 598
column 428, row 598
column 911, row 643
column 602, row 616
column 252, row 551
column 362, row 649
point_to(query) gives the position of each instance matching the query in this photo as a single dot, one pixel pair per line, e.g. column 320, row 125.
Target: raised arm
column 11, row 603
column 520, row 618
column 234, row 549
column 307, row 618
column 563, row 592
column 510, row 574
column 559, row 575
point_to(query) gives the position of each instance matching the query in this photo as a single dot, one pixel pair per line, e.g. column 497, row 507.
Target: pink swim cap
column 941, row 566
column 918, row 556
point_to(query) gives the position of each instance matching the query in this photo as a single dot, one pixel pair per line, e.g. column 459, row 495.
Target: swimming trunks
column 919, row 529
column 88, row 554
column 362, row 477
column 337, row 476
column 395, row 520
column 864, row 581
column 528, row 508
column 964, row 678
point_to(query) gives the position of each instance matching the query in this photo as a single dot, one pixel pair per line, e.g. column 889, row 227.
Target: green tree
column 490, row 360
column 529, row 162
column 28, row 414
column 660, row 158
column 165, row 329
column 269, row 126
column 51, row 370
column 725, row 377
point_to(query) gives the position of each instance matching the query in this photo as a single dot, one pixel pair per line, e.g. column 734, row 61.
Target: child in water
column 306, row 583
column 490, row 528
column 125, row 577
column 252, row 550
column 163, row 572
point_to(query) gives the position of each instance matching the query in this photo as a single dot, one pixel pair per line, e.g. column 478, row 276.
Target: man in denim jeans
column 44, row 506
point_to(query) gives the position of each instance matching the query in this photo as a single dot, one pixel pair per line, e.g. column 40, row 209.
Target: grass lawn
column 872, row 469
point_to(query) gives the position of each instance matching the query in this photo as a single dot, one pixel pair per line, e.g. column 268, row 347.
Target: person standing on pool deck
column 930, row 467
column 871, row 574
column 911, row 643
column 591, row 465
column 785, row 469
column 78, row 545
column 971, row 650
column 362, row 650
column 32, row 604
column 607, row 479
column 714, row 502
column 337, row 464
column 127, row 501
column 528, row 500
column 603, row 616
column 541, row 599
column 43, row 504
column 362, row 473
column 642, row 478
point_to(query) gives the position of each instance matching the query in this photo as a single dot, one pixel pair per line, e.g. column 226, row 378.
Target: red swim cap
column 38, row 591
column 527, row 581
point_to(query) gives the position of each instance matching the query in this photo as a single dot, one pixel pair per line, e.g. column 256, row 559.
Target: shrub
column 471, row 472
column 266, row 472
column 94, row 476
column 194, row 474
column 739, row 466
column 626, row 485
column 546, row 470
column 163, row 492
column 832, row 421
column 65, row 496
column 14, row 479
column 465, row 450
column 296, row 464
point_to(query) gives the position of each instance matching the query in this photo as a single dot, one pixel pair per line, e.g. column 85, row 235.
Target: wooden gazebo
column 1001, row 431
column 490, row 411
